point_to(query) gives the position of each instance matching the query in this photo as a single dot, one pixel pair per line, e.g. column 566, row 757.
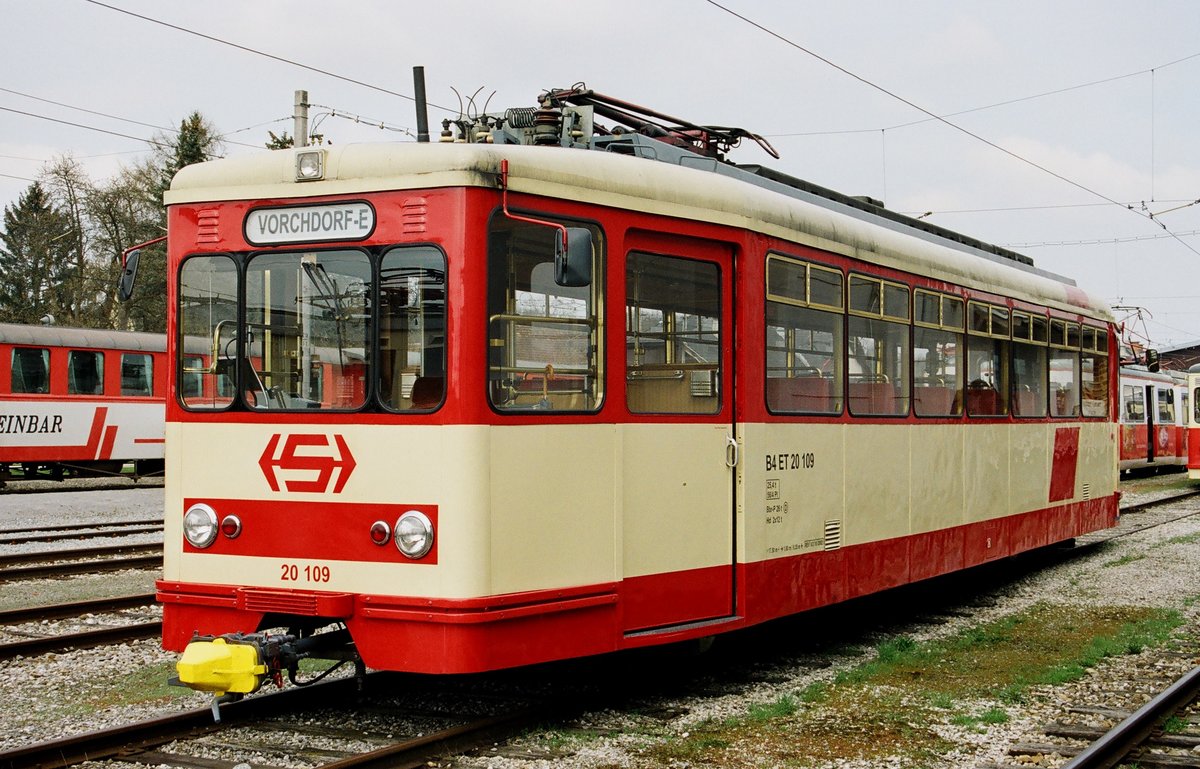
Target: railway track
column 387, row 732
column 90, row 560
column 40, row 642
column 27, row 535
column 1151, row 737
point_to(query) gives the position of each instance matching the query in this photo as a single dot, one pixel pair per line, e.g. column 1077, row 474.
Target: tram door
column 678, row 452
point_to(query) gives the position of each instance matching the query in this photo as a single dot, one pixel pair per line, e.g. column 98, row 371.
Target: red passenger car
column 80, row 401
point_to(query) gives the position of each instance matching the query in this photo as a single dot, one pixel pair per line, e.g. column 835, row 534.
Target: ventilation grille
column 833, row 535
column 208, row 226
column 414, row 215
column 283, row 603
column 1087, row 491
column 703, row 384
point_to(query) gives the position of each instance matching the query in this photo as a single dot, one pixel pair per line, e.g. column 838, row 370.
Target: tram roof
column 90, row 338
column 694, row 188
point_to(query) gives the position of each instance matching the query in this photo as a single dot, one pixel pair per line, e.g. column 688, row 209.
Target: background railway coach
column 1154, row 408
column 1193, row 423
column 77, row 401
column 531, row 402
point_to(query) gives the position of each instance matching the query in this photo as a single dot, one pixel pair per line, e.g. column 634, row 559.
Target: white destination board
column 309, row 224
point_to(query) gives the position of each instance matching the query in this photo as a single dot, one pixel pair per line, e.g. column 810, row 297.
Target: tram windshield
column 307, row 330
column 305, row 336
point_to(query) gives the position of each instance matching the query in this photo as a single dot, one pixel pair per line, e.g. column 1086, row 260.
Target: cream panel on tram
column 985, row 472
column 877, row 483
column 935, row 457
column 553, row 506
column 794, row 484
column 1098, row 473
column 677, row 504
column 446, row 471
column 1029, row 465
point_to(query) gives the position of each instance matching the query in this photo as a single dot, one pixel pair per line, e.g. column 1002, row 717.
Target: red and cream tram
column 80, row 401
column 1193, row 423
column 1154, row 407
column 487, row 403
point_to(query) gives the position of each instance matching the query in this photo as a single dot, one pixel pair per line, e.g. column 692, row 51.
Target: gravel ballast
column 56, row 695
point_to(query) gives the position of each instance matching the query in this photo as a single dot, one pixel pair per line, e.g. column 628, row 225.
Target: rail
column 1124, row 738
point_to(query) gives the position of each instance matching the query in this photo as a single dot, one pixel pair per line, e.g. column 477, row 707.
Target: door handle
column 731, row 451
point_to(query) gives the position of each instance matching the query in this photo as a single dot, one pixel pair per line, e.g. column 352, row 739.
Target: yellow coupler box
column 220, row 667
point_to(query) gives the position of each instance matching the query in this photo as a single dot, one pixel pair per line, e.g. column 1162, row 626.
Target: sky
column 1065, row 130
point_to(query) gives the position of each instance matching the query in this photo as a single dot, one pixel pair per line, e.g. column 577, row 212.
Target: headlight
column 310, row 165
column 200, row 525
column 414, row 534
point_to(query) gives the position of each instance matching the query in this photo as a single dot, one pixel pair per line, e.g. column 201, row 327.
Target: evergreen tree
column 196, row 142
column 35, row 257
column 281, row 141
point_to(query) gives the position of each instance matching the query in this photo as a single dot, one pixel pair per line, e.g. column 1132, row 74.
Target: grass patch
column 989, row 717
column 1186, row 539
column 814, row 693
column 886, row 707
column 147, row 683
column 780, row 708
column 1124, row 560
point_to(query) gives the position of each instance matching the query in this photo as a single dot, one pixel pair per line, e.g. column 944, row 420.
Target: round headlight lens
column 414, row 534
column 200, row 525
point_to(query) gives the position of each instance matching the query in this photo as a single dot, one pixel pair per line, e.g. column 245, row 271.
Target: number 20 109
column 290, row 572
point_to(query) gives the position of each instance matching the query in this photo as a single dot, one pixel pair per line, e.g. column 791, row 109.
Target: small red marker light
column 231, row 526
column 380, row 532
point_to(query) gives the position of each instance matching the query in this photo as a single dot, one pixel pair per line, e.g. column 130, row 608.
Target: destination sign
column 310, row 224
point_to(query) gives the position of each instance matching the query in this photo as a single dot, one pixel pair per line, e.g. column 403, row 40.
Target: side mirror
column 125, row 283
column 573, row 264
column 129, row 265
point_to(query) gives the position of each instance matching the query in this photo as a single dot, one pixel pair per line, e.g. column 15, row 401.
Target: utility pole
column 300, row 120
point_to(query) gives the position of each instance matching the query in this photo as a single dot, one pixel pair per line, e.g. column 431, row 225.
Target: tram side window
column 545, row 341
column 987, row 359
column 137, row 374
column 308, row 321
column 1094, row 372
column 1064, row 368
column 937, row 355
column 1134, row 407
column 30, row 370
column 208, row 292
column 1030, row 369
column 878, row 347
column 412, row 328
column 805, row 341
column 672, row 335
column 85, row 372
column 1166, row 407
column 1196, row 405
